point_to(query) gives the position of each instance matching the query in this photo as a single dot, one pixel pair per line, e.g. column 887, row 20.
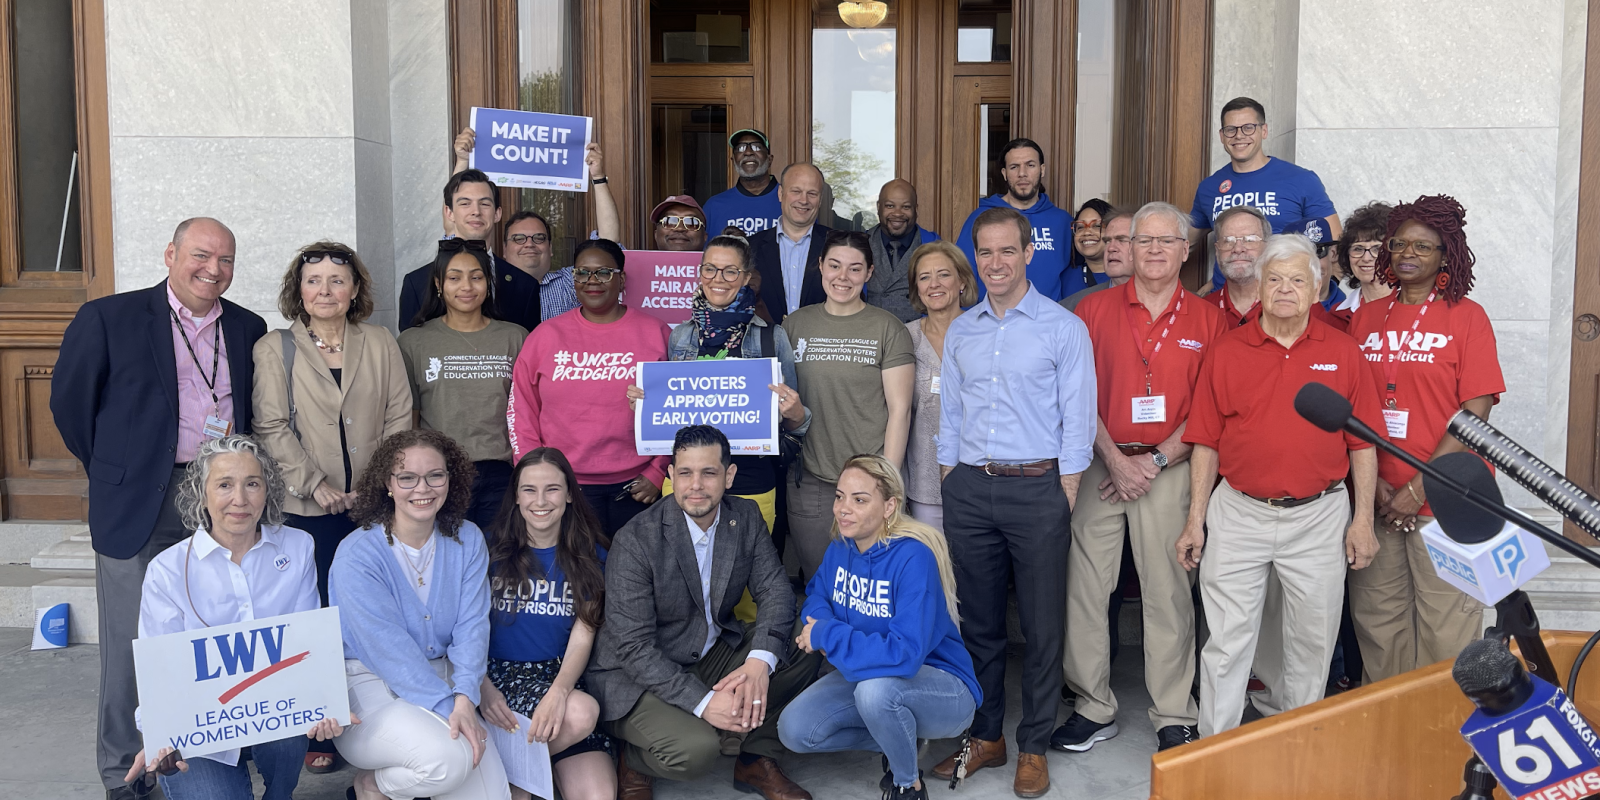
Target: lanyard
column 216, row 356
column 1229, row 307
column 1391, row 367
column 1134, row 328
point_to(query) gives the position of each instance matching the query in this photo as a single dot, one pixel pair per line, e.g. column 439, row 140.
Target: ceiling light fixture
column 865, row 14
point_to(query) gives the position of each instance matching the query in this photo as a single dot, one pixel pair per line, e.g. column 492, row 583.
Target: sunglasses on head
column 339, row 257
column 459, row 244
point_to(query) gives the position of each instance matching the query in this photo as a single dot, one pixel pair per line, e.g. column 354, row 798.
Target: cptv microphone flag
column 212, row 689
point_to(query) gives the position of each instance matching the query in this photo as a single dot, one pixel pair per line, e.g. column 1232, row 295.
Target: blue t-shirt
column 751, row 213
column 533, row 624
column 1284, row 192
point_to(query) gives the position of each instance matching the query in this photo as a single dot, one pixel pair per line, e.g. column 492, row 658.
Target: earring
column 391, row 494
column 1442, row 281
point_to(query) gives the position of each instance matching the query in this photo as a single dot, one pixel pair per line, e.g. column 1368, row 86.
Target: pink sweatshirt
column 569, row 391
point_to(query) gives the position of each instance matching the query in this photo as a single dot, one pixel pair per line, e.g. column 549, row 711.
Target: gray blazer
column 655, row 617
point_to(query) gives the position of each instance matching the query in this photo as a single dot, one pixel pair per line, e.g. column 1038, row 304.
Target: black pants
column 613, row 513
column 1018, row 529
column 327, row 531
column 488, row 490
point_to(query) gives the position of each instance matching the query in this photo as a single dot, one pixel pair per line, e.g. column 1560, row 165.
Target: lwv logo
column 240, row 653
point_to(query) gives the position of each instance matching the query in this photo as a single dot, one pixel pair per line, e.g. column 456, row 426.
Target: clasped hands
column 739, row 700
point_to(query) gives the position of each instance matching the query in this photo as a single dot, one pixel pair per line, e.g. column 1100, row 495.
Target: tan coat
column 373, row 402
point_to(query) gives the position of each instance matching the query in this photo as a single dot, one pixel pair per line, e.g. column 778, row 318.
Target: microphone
column 1482, row 556
column 1551, row 487
column 1330, row 411
column 1525, row 730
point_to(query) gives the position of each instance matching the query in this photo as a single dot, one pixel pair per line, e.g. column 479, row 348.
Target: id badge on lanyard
column 1150, row 407
column 1396, row 419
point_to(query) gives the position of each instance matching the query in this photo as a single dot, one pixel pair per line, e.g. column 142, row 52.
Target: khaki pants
column 1406, row 616
column 1154, row 523
column 1247, row 540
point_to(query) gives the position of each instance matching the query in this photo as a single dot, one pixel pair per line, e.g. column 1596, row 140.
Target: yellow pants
column 767, row 501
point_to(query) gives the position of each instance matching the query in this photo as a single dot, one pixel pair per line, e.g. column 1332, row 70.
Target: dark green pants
column 667, row 742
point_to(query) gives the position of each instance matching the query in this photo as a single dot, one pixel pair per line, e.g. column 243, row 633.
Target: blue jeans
column 279, row 763
column 881, row 715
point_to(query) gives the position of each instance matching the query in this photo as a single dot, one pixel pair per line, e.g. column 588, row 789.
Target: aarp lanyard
column 216, row 357
column 1149, row 347
column 1391, row 365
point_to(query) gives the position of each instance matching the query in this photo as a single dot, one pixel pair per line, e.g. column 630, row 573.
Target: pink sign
column 662, row 283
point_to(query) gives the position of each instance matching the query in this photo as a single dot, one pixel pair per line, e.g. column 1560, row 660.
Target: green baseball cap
column 758, row 134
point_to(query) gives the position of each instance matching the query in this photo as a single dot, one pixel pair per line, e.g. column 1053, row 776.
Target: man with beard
column 751, row 204
column 1022, row 163
column 893, row 239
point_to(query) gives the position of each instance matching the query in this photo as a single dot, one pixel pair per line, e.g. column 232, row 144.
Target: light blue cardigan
column 388, row 628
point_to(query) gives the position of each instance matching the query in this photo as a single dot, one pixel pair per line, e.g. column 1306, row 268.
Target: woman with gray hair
column 242, row 563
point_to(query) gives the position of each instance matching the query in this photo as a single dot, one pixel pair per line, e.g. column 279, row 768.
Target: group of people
column 1013, row 409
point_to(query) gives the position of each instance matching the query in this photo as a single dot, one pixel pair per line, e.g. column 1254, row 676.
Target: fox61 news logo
column 1545, row 751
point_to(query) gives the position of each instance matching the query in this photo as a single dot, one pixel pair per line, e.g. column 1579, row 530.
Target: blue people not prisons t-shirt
column 532, row 622
column 751, row 213
column 1284, row 192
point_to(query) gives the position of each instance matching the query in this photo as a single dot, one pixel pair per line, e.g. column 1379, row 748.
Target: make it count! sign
column 731, row 395
column 229, row 686
column 531, row 149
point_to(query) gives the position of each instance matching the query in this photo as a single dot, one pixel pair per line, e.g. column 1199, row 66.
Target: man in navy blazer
column 134, row 418
column 800, row 197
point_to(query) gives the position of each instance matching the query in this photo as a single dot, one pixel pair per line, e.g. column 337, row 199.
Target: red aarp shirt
column 1126, row 334
column 1447, row 360
column 1244, row 409
column 1236, row 318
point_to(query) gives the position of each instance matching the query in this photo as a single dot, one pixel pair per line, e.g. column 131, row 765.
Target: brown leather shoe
column 763, row 777
column 631, row 783
column 984, row 754
column 1033, row 776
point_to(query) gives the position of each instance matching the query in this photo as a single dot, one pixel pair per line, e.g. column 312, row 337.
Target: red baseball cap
column 675, row 200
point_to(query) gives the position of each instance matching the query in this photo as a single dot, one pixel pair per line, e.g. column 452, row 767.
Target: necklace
column 324, row 346
column 426, row 557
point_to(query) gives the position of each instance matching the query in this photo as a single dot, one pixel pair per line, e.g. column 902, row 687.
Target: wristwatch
column 1159, row 457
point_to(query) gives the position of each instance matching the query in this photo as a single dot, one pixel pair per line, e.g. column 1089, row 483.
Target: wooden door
column 980, row 110
column 728, row 103
column 1583, row 411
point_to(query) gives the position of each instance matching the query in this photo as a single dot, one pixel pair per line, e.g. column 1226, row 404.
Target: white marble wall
column 286, row 121
column 1391, row 100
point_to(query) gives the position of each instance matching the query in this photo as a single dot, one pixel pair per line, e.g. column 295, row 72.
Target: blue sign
column 731, row 395
column 50, row 627
column 1544, row 749
column 531, row 149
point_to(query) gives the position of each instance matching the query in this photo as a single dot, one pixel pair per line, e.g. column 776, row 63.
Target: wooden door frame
column 1583, row 407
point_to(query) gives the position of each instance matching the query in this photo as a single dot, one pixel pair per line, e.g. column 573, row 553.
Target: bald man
column 787, row 256
column 143, row 378
column 893, row 239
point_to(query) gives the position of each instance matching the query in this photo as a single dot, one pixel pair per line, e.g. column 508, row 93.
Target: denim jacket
column 684, row 345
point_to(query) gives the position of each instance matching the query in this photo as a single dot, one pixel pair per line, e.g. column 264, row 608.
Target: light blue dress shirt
column 792, row 257
column 1017, row 389
column 703, row 541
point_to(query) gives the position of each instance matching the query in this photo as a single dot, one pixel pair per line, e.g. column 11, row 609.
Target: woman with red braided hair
column 1431, row 352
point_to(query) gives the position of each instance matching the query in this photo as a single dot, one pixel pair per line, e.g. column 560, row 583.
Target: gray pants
column 117, row 583
column 810, row 520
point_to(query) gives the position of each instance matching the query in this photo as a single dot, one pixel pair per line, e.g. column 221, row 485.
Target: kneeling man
column 672, row 666
column 1282, row 502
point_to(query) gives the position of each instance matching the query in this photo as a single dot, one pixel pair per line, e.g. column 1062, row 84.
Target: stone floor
column 47, row 735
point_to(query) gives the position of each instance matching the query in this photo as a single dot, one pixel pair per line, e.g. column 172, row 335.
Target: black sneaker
column 886, row 784
column 1079, row 733
column 893, row 792
column 1174, row 735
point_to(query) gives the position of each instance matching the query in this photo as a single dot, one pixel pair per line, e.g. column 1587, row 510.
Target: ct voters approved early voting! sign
column 531, row 149
column 228, row 686
column 729, row 394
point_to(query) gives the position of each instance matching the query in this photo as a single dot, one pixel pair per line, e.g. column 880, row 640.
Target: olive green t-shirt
column 460, row 381
column 839, row 362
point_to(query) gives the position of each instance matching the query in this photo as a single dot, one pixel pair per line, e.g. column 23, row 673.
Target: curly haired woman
column 1431, row 352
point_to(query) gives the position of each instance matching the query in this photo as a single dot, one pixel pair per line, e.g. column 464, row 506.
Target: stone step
column 74, row 554
column 23, row 589
column 21, row 540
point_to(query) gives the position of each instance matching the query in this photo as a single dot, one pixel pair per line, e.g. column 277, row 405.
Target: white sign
column 213, row 689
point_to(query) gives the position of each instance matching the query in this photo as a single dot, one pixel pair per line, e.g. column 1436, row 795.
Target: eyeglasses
column 1249, row 129
column 1360, row 251
column 750, row 147
column 712, row 271
column 1165, row 241
column 1085, row 226
column 595, row 275
column 1122, row 240
column 315, row 257
column 681, row 223
column 1236, row 242
column 408, row 480
column 1423, row 249
column 524, row 238
column 457, row 244
column 1324, row 249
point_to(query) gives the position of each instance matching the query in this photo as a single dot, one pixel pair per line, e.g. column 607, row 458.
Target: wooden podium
column 1397, row 738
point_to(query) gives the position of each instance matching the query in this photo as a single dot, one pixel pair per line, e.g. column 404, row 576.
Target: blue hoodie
column 1051, row 269
column 881, row 614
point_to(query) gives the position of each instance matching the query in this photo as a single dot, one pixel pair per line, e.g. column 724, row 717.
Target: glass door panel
column 853, row 109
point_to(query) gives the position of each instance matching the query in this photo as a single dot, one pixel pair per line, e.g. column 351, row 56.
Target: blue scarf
column 722, row 331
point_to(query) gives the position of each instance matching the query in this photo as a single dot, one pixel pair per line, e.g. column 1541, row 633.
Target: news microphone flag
column 1487, row 571
column 1541, row 750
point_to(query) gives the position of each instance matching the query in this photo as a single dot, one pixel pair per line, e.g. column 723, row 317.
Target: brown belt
column 1032, row 470
column 1136, row 449
column 1291, row 502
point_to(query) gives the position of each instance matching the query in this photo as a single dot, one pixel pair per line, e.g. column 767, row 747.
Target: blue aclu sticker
column 50, row 627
